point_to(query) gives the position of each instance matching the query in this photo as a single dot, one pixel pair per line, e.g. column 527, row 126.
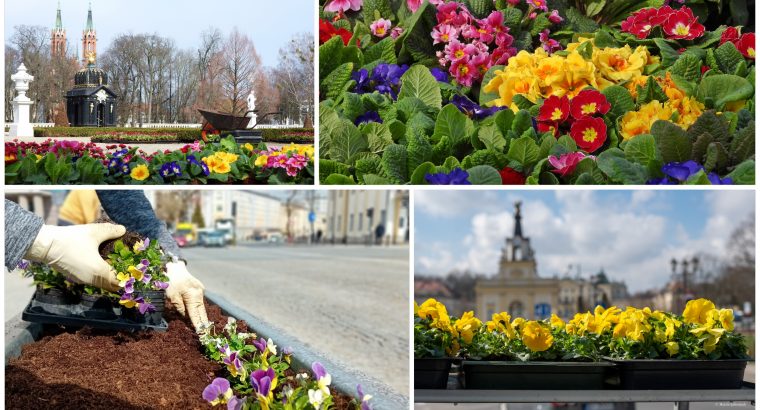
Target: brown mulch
column 97, row 369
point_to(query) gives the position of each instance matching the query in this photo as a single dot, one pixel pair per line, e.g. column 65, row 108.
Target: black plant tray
column 73, row 315
column 432, row 373
column 680, row 374
column 513, row 375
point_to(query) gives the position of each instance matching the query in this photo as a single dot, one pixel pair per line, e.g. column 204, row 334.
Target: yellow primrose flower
column 222, row 167
column 467, row 325
column 140, row 172
column 136, row 273
column 672, row 348
column 556, row 322
column 500, row 322
column 697, row 311
column 536, row 337
column 261, row 160
column 639, row 122
column 616, row 65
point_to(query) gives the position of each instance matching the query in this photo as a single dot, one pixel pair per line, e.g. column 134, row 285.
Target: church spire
column 518, row 218
column 89, row 26
column 58, row 20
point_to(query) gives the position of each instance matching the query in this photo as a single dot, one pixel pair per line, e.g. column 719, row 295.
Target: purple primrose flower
column 472, row 109
column 457, row 176
column 367, row 117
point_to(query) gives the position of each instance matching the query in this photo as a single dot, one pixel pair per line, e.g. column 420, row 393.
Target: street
column 350, row 303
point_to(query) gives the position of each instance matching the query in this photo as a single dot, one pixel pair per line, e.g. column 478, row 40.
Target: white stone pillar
column 21, row 126
column 38, row 203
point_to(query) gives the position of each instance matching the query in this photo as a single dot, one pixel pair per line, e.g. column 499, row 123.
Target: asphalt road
column 350, row 303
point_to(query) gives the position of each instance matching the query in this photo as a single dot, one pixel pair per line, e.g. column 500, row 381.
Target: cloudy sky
column 270, row 24
column 631, row 234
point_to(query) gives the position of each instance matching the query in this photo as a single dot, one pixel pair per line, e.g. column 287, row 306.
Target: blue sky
column 269, row 23
column 631, row 234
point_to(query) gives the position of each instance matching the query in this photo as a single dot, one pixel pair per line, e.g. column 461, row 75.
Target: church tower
column 517, row 258
column 89, row 41
column 58, row 36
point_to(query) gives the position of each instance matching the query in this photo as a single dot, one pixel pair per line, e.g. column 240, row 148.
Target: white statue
column 251, row 107
column 21, row 127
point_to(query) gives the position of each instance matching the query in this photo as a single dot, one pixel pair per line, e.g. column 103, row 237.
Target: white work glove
column 186, row 293
column 73, row 251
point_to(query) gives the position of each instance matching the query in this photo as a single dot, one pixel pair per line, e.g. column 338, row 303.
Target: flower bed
column 496, row 352
column 72, row 162
column 100, row 369
column 510, row 92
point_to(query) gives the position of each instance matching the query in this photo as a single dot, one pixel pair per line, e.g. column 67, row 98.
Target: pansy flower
column 323, row 378
column 364, row 398
column 218, row 392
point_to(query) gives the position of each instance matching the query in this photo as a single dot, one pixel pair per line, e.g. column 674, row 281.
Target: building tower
column 58, row 36
column 89, row 40
column 517, row 258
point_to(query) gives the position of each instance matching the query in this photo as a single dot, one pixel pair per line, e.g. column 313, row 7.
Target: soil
column 97, row 369
column 129, row 239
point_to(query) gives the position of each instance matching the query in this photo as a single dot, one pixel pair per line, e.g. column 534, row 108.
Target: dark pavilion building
column 91, row 103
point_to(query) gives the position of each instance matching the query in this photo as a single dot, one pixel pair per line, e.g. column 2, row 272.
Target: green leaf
column 728, row 57
column 595, row 7
column 328, row 167
column 352, row 106
column 329, row 56
column 452, row 123
column 346, row 141
column 368, row 165
column 524, row 150
column 568, row 143
column 378, row 136
column 716, row 158
column 699, row 178
column 418, row 176
column 668, row 54
column 744, row 173
column 394, row 163
column 620, row 100
column 743, row 143
column 716, row 126
column 716, row 91
column 649, row 92
column 418, row 150
column 688, row 67
column 484, row 175
column 384, row 50
column 492, row 138
column 451, row 163
column 334, row 84
column 672, row 142
column 522, row 122
column 371, row 8
column 613, row 163
column 641, row 149
column 480, row 8
column 418, row 82
column 338, row 179
column 373, row 179
column 415, row 42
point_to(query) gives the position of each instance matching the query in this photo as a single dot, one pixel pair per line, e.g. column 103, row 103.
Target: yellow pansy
column 517, row 323
column 136, row 273
column 467, row 325
column 697, row 311
column 556, row 322
column 500, row 322
column 436, row 311
column 140, row 172
column 536, row 337
column 726, row 317
column 129, row 303
column 122, row 278
column 672, row 348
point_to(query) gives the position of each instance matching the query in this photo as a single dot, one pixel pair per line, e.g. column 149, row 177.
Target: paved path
column 349, row 302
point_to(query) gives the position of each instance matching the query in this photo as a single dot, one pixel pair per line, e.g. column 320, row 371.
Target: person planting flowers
column 73, row 252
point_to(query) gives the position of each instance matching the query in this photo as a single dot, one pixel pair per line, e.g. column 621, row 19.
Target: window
column 361, row 221
column 382, row 216
column 401, row 222
column 351, row 223
column 516, row 309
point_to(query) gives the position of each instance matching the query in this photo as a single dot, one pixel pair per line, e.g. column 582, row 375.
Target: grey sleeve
column 21, row 227
column 132, row 209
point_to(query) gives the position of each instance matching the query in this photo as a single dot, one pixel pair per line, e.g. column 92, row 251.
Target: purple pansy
column 260, row 344
column 23, row 264
column 129, row 286
column 319, row 370
column 217, row 391
column 157, row 284
column 262, row 381
column 145, row 245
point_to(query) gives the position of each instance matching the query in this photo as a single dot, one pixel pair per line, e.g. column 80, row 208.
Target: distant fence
column 43, row 124
column 172, row 125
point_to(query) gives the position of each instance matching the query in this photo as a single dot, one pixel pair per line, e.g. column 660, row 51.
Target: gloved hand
column 73, row 251
column 186, row 293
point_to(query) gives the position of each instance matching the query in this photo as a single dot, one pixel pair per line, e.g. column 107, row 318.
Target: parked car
column 213, row 239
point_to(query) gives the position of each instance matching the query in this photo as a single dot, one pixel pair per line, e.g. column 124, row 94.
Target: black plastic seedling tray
column 512, row 375
column 432, row 373
column 74, row 315
column 680, row 374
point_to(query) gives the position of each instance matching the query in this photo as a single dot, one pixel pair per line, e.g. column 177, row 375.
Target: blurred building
column 354, row 216
column 39, row 203
column 519, row 290
column 436, row 288
column 253, row 214
column 304, row 215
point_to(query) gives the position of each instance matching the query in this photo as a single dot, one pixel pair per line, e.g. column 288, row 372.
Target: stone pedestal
column 21, row 126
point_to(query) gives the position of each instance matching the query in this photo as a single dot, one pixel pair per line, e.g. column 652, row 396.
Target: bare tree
column 240, row 66
column 12, row 61
column 294, row 76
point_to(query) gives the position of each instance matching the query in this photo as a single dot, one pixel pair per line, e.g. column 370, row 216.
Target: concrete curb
column 17, row 334
column 343, row 378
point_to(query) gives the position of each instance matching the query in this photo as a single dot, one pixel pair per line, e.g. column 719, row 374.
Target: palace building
column 520, row 291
